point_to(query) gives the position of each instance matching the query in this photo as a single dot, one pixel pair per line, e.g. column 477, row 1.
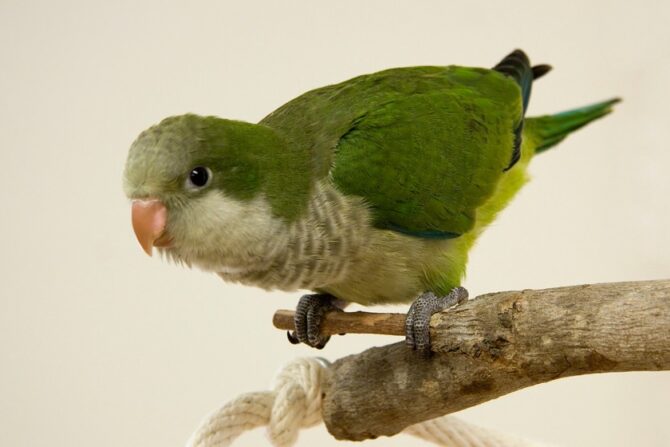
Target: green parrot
column 369, row 191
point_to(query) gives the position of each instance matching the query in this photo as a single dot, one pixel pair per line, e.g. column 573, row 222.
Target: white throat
column 218, row 233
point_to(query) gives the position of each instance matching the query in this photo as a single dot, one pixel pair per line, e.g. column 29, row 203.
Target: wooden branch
column 349, row 323
column 493, row 345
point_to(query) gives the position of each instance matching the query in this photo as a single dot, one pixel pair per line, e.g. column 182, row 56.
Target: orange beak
column 149, row 219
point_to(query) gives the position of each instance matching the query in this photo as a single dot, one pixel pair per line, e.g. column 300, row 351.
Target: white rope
column 453, row 432
column 294, row 403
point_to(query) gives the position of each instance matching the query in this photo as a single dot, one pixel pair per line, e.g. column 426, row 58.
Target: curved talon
column 417, row 323
column 322, row 342
column 292, row 338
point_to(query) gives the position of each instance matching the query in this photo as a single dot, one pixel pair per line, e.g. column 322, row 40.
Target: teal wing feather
column 424, row 146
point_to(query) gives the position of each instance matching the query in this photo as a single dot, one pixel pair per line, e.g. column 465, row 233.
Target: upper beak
column 149, row 220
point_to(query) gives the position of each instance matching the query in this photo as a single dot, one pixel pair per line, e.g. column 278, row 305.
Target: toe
column 417, row 323
column 409, row 330
column 422, row 335
column 300, row 323
column 322, row 342
column 314, row 317
column 308, row 318
column 461, row 294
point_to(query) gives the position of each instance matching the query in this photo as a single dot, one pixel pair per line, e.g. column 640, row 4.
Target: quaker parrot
column 369, row 191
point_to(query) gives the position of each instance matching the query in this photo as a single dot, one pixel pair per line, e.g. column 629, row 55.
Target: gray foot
column 417, row 324
column 308, row 316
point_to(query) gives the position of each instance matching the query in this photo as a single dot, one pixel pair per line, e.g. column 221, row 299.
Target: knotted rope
column 294, row 403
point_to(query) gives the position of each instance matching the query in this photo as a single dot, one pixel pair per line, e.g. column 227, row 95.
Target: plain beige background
column 103, row 346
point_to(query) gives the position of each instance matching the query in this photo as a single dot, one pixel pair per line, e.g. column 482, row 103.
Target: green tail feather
column 551, row 129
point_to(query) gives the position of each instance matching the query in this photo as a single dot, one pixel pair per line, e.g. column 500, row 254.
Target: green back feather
column 424, row 146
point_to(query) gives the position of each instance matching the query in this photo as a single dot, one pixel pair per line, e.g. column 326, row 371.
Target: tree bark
column 496, row 344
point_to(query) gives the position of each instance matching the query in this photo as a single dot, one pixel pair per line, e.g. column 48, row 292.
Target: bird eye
column 199, row 177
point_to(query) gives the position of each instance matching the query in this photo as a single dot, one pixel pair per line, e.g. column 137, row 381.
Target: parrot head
column 204, row 191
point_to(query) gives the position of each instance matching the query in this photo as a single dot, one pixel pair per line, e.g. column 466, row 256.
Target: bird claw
column 308, row 317
column 292, row 338
column 417, row 323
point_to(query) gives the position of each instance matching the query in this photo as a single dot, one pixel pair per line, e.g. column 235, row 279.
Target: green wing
column 425, row 162
column 424, row 146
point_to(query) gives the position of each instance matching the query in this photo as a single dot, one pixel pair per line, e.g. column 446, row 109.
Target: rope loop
column 293, row 403
column 297, row 401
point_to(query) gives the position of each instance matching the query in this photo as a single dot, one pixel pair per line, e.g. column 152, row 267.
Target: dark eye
column 199, row 177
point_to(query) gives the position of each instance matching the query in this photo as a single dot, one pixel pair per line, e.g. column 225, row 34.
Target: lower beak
column 149, row 219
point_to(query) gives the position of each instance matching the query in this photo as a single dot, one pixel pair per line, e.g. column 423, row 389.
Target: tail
column 517, row 66
column 552, row 129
